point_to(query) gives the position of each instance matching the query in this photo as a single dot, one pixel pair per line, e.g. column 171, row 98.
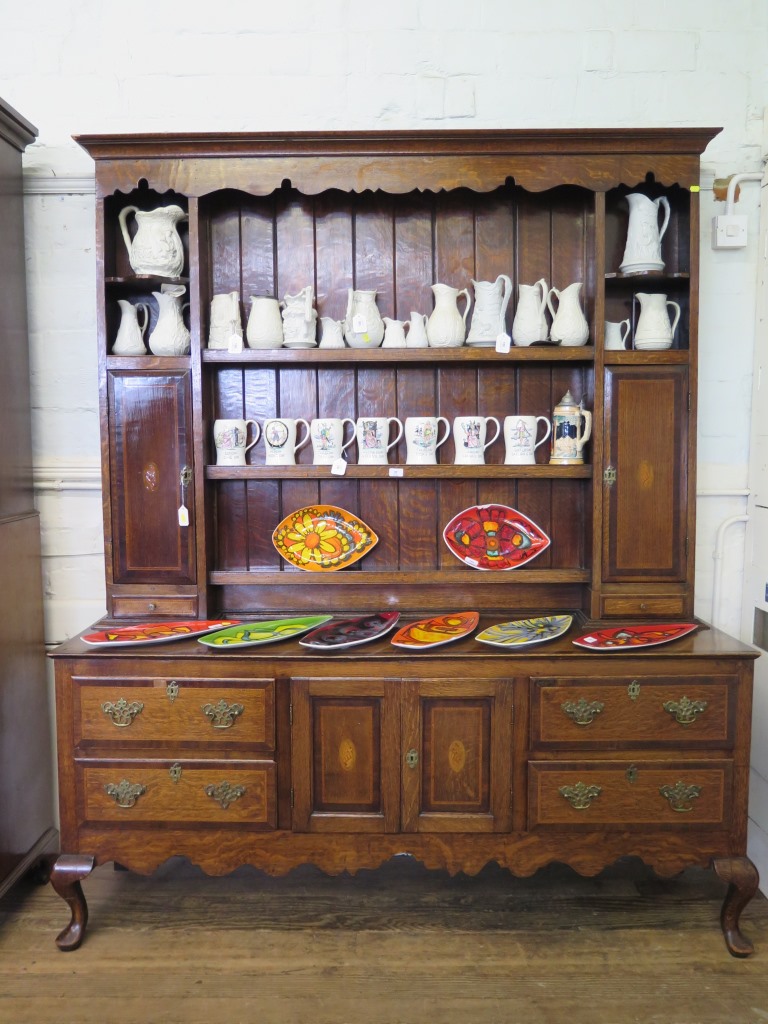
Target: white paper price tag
column 395, row 471
column 359, row 324
column 503, row 341
column 235, row 343
column 183, row 516
column 339, row 467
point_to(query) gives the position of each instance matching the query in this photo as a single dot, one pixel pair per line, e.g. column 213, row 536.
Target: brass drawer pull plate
column 222, row 715
column 175, row 772
column 581, row 711
column 121, row 713
column 684, row 710
column 580, row 796
column 172, row 690
column 680, row 796
column 125, row 793
column 224, row 794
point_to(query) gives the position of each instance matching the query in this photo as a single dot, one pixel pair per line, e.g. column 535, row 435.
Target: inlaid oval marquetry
column 457, row 756
column 151, row 477
column 347, row 755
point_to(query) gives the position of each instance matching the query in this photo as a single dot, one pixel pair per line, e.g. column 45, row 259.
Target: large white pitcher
column 363, row 326
column 265, row 325
column 130, row 333
column 491, row 301
column 157, row 247
column 170, row 336
column 447, row 327
column 530, row 322
column 643, row 249
column 569, row 325
column 654, row 331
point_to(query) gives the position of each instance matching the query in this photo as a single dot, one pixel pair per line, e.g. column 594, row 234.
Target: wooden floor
column 387, row 947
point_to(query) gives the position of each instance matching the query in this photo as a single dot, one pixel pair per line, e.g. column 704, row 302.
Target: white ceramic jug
column 170, row 336
column 447, row 327
column 530, row 322
column 394, row 333
column 488, row 319
column 300, row 319
column 654, row 331
column 643, row 248
column 156, row 248
column 265, row 324
column 569, row 325
column 363, row 326
column 417, row 331
column 130, row 333
column 333, row 333
column 225, row 321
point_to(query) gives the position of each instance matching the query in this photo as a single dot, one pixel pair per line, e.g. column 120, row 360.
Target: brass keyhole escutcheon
column 412, row 758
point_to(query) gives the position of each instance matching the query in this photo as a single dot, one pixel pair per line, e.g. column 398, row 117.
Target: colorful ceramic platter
column 249, row 634
column 350, row 632
column 441, row 629
column 630, row 638
column 494, row 537
column 524, row 632
column 154, row 632
column 323, row 538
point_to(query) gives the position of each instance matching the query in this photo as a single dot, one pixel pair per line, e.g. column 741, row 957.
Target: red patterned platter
column 441, row 629
column 154, row 632
column 323, row 538
column 630, row 638
column 494, row 537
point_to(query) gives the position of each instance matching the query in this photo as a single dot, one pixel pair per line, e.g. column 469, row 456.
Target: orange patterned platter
column 323, row 538
column 441, row 629
column 154, row 632
column 630, row 638
column 494, row 537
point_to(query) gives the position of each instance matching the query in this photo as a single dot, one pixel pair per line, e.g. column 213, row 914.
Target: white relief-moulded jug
column 654, row 330
column 332, row 333
column 394, row 333
column 156, row 248
column 300, row 319
column 530, row 321
column 417, row 331
column 130, row 334
column 170, row 336
column 446, row 326
column 569, row 325
column 226, row 327
column 488, row 318
column 265, row 324
column 363, row 326
column 643, row 248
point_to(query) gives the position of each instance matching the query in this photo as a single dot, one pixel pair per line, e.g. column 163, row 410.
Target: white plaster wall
column 74, row 66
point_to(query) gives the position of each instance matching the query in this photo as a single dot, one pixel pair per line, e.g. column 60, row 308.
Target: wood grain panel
column 334, row 247
column 414, row 259
column 257, row 257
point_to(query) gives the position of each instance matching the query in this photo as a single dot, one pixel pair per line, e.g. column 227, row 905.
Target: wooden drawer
column 664, row 607
column 624, row 794
column 625, row 711
column 169, row 607
column 233, row 712
column 221, row 793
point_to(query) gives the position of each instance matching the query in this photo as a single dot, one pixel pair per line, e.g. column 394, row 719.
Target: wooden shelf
column 668, row 356
column 148, row 362
column 401, row 356
column 398, row 472
column 445, row 577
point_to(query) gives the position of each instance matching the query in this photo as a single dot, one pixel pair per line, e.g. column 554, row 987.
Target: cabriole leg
column 66, row 875
column 742, row 878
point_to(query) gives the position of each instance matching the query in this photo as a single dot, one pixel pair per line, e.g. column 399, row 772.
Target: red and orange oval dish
column 494, row 538
column 441, row 629
column 323, row 538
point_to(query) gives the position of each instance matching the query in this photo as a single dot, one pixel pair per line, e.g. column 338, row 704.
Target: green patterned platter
column 249, row 634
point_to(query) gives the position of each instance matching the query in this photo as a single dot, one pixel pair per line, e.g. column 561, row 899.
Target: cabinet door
column 646, row 445
column 456, row 770
column 345, row 755
column 150, row 444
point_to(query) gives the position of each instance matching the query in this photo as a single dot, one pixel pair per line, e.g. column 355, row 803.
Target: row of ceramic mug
column 472, row 435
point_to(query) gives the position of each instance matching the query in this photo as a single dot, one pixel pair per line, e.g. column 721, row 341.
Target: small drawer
column 661, row 606
column 208, row 793
column 651, row 711
column 172, row 606
column 232, row 712
column 625, row 794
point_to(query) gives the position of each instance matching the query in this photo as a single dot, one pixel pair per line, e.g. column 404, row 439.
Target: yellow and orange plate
column 323, row 538
column 154, row 632
column 441, row 629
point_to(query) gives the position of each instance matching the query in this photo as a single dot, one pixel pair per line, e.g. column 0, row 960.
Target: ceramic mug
column 520, row 439
column 280, row 443
column 328, row 439
column 616, row 335
column 230, row 438
column 469, row 439
column 421, row 439
column 372, row 433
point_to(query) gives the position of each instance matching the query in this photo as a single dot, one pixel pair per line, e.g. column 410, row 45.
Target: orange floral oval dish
column 323, row 538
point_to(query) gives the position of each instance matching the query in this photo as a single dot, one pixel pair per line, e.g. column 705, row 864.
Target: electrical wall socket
column 729, row 231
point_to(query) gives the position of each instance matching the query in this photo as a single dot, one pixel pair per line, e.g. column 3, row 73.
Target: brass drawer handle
column 684, row 710
column 125, row 793
column 680, row 795
column 224, row 794
column 222, row 715
column 581, row 712
column 580, row 796
column 121, row 713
